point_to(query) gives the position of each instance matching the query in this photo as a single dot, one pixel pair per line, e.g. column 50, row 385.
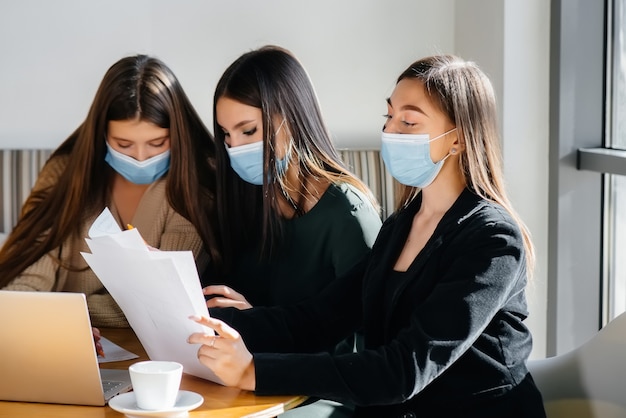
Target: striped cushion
column 19, row 170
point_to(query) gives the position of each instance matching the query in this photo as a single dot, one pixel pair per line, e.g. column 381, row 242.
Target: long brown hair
column 465, row 94
column 136, row 87
column 272, row 79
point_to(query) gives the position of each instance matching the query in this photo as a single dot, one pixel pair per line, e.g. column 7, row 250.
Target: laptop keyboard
column 111, row 385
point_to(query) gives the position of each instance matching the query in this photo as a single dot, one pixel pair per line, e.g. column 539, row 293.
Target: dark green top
column 318, row 247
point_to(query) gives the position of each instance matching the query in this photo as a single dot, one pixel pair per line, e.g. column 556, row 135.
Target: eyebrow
column 240, row 124
column 117, row 138
column 408, row 107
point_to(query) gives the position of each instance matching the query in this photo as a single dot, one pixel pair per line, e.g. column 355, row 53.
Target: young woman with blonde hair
column 441, row 297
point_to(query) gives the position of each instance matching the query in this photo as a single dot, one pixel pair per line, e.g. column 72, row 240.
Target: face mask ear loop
column 443, row 159
column 272, row 143
column 286, row 158
column 442, row 135
column 289, row 150
column 280, row 126
column 449, row 152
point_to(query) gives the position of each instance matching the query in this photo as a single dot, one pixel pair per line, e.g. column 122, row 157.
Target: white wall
column 510, row 41
column 54, row 53
column 526, row 129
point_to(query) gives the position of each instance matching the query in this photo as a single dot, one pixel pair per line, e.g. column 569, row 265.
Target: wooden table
column 219, row 401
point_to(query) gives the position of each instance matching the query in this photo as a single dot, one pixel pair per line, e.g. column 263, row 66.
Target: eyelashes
column 250, row 132
column 405, row 123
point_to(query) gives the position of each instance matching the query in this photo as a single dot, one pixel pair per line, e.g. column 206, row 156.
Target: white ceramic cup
column 156, row 383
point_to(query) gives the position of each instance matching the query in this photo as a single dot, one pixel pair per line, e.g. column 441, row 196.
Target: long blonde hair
column 465, row 94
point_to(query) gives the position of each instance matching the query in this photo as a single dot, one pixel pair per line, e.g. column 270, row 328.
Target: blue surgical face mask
column 247, row 161
column 407, row 158
column 138, row 172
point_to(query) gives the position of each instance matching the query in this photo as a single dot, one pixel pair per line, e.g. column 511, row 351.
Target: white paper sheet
column 114, row 352
column 104, row 225
column 156, row 290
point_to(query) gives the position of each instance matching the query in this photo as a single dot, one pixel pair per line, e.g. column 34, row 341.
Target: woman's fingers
column 218, row 302
column 220, row 289
column 230, row 297
column 225, row 354
column 96, row 340
column 223, row 329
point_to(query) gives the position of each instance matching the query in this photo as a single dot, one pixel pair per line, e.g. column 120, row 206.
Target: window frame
column 578, row 105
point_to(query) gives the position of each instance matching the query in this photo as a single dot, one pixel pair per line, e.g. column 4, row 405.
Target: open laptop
column 47, row 352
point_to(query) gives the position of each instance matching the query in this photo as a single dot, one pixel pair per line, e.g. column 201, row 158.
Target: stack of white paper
column 157, row 290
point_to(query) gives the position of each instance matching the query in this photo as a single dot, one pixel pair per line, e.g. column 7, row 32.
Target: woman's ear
column 458, row 146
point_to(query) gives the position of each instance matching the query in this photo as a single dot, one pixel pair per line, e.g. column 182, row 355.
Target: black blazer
column 444, row 338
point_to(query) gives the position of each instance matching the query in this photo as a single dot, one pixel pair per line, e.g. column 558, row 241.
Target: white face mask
column 407, row 157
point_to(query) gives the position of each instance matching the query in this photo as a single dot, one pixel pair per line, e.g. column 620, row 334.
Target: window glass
column 617, row 139
column 616, row 242
column 615, row 198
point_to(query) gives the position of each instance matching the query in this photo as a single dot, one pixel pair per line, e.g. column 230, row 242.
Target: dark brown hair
column 272, row 79
column 136, row 87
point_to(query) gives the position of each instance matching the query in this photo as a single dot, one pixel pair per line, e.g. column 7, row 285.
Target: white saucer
column 185, row 401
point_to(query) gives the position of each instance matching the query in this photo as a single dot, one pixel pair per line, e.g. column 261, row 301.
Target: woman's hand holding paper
column 225, row 353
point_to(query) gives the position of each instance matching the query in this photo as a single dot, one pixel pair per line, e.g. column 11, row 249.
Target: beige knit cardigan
column 159, row 225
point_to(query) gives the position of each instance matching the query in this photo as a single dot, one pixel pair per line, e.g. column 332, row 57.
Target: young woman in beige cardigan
column 143, row 152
